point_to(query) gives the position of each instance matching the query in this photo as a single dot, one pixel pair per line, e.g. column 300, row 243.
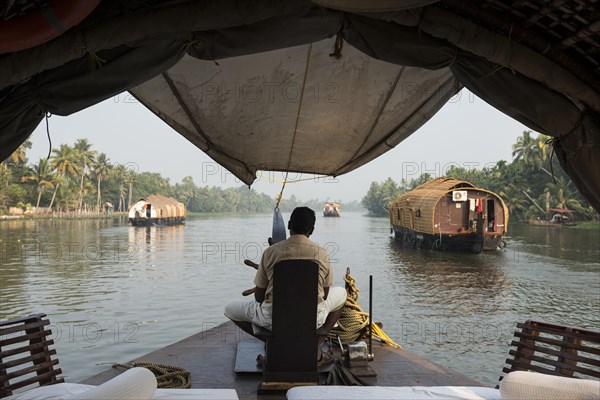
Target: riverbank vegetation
column 531, row 183
column 78, row 181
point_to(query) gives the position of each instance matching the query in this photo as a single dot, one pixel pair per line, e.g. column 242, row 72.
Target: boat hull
column 469, row 241
column 550, row 224
column 157, row 221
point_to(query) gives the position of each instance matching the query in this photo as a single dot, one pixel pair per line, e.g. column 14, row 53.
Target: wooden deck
column 210, row 357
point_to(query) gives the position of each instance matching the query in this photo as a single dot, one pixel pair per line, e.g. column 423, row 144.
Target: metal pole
column 370, row 317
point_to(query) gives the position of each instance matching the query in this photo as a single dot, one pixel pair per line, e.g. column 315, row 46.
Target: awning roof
column 310, row 112
column 562, row 210
column 319, row 86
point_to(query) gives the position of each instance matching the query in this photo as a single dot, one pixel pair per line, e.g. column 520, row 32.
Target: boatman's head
column 302, row 221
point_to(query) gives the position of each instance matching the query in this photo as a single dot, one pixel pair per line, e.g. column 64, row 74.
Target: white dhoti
column 249, row 310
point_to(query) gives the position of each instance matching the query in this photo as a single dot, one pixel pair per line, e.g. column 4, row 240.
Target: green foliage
column 532, row 182
column 380, row 195
column 77, row 178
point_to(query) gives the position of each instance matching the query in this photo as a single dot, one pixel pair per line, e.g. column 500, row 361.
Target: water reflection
column 446, row 271
column 161, row 284
column 568, row 246
column 152, row 239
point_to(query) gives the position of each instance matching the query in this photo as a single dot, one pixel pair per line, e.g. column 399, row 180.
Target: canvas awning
column 562, row 210
column 318, row 86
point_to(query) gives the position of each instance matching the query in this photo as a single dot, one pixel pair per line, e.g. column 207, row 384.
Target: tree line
column 532, row 182
column 79, row 180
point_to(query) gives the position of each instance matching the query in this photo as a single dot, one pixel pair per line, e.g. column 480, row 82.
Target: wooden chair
column 291, row 345
column 555, row 350
column 25, row 354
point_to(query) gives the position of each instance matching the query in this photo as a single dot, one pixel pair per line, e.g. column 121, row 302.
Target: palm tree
column 101, row 167
column 41, row 175
column 563, row 195
column 58, row 180
column 526, row 149
column 514, row 199
column 18, row 156
column 64, row 162
column 129, row 179
column 85, row 157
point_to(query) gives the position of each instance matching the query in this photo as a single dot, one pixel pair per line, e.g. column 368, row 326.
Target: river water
column 115, row 292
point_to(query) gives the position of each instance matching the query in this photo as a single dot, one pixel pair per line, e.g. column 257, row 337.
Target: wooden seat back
column 555, row 350
column 25, row 356
column 292, row 344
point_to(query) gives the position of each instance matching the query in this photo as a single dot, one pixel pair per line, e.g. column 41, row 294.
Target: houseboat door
column 490, row 217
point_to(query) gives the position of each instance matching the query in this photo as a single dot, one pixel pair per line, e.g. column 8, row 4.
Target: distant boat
column 556, row 217
column 157, row 210
column 448, row 214
column 331, row 209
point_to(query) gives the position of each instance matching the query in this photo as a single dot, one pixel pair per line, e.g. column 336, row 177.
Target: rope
column 353, row 324
column 48, row 115
column 337, row 47
column 280, row 194
column 167, row 376
column 299, row 106
column 94, row 60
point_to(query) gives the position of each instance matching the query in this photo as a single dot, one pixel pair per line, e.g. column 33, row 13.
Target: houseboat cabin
column 449, row 214
column 157, row 210
column 331, row 209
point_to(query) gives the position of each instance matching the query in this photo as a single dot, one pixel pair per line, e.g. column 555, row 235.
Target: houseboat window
column 418, row 213
column 398, row 213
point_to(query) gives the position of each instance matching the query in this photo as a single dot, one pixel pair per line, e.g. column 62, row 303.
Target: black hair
column 302, row 220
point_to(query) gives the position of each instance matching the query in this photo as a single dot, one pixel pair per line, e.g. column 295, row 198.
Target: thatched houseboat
column 331, row 209
column 157, row 210
column 555, row 217
column 449, row 214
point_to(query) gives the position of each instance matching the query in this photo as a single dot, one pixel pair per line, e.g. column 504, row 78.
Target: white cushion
column 519, row 385
column 133, row 384
column 58, row 391
column 391, row 393
column 195, row 394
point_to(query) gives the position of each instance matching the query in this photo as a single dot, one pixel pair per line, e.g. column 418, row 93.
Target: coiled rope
column 167, row 376
column 353, row 324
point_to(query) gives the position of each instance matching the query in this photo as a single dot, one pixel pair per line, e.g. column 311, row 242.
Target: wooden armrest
column 554, row 350
column 24, row 350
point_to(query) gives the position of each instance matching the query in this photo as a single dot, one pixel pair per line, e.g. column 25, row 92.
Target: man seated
column 298, row 246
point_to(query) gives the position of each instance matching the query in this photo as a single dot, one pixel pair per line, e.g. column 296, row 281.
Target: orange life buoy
column 43, row 24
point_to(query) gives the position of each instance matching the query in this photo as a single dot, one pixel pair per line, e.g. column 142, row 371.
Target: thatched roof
column 426, row 197
column 268, row 85
column 436, row 188
column 169, row 206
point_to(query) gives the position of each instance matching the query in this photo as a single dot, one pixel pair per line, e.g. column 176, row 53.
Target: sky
column 466, row 132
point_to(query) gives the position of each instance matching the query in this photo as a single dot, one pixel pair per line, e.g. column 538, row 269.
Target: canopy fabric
column 312, row 112
column 250, row 83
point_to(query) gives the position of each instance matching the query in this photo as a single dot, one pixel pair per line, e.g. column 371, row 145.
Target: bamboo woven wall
column 424, row 199
column 417, row 208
